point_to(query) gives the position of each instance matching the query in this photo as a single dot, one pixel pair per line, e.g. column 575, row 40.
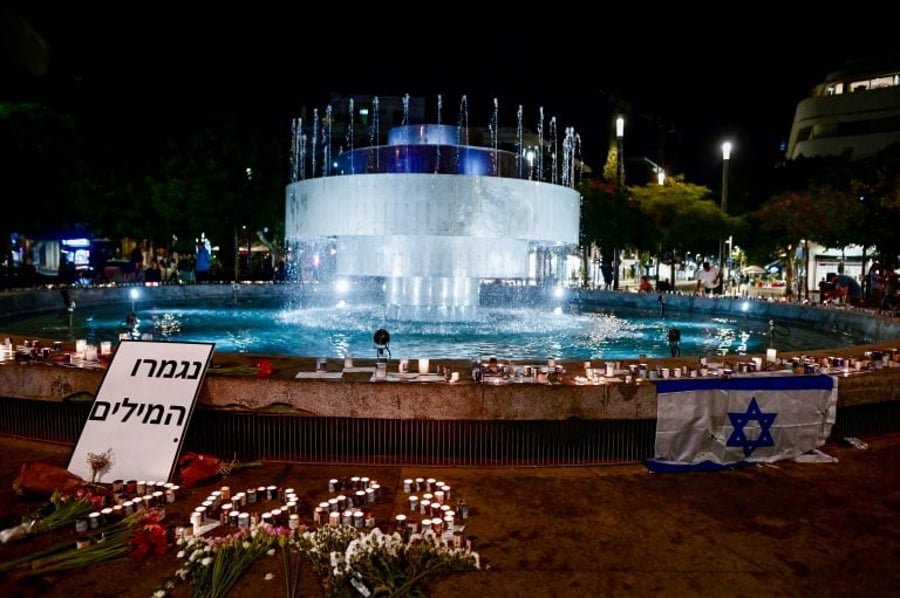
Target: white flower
column 159, row 593
column 180, row 554
column 271, row 552
column 270, row 576
column 206, row 561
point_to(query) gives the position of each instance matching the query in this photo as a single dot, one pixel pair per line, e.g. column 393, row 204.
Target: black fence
column 249, row 436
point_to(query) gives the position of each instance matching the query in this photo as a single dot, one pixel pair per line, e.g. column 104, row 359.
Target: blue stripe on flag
column 663, row 467
column 755, row 382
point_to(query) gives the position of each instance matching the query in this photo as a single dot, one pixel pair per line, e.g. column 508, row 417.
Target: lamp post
column 620, row 185
column 726, row 157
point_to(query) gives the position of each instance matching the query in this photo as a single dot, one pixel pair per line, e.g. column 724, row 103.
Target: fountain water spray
column 425, row 220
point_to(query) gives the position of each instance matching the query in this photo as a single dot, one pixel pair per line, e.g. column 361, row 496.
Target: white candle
column 770, row 355
column 105, row 348
column 90, row 353
column 423, row 365
column 348, row 362
column 80, row 346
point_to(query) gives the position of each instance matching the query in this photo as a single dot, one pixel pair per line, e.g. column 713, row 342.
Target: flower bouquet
column 43, row 478
column 61, row 510
column 196, row 468
column 149, row 538
column 116, row 542
column 213, row 565
column 381, row 564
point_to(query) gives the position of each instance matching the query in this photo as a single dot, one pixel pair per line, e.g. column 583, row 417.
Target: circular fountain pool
column 507, row 333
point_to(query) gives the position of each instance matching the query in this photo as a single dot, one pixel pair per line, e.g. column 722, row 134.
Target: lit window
column 879, row 82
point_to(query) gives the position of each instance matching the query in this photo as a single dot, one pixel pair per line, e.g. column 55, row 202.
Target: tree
column 684, row 217
column 214, row 180
column 609, row 219
column 824, row 215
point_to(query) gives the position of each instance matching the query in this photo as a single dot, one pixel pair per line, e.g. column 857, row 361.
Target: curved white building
column 430, row 219
column 855, row 112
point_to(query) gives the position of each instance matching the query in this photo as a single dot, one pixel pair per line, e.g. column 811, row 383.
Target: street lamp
column 726, row 157
column 620, row 161
column 620, row 185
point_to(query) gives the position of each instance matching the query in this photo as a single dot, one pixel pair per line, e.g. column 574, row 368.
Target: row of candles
column 221, row 507
column 131, row 497
column 91, row 352
column 33, row 349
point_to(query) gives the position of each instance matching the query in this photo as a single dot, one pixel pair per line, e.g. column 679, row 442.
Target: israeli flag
column 713, row 423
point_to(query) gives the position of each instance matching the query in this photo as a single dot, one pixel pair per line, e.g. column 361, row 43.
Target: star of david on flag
column 714, row 423
column 739, row 436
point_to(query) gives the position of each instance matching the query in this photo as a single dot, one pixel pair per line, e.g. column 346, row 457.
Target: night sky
column 685, row 82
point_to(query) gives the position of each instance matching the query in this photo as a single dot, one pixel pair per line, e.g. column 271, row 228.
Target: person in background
column 889, row 298
column 606, row 269
column 136, row 265
column 153, row 274
column 203, row 263
column 874, row 285
column 171, row 273
column 674, row 338
column 645, row 285
column 185, row 268
column 846, row 289
column 708, row 279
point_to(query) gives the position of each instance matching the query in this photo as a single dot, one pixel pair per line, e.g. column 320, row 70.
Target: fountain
column 431, row 217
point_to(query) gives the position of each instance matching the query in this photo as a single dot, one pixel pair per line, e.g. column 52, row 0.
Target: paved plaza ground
column 785, row 529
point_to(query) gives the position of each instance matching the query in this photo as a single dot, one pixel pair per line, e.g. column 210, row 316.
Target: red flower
column 149, row 538
column 194, row 468
column 264, row 368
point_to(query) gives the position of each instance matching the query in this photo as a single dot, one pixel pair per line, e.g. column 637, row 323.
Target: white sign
column 142, row 410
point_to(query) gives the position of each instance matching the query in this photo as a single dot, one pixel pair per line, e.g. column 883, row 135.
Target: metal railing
column 368, row 441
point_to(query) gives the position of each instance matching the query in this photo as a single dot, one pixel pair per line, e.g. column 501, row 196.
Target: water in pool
column 523, row 334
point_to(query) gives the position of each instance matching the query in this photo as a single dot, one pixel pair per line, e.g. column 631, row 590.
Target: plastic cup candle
column 80, row 346
column 400, row 521
column 423, row 365
column 105, row 348
column 348, row 362
column 771, row 355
